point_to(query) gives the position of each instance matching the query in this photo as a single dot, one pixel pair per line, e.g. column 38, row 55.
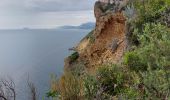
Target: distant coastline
column 88, row 25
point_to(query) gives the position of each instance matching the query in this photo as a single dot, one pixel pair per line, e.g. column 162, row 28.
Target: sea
column 35, row 55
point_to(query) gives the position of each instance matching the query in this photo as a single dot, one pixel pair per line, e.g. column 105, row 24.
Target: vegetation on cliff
column 144, row 72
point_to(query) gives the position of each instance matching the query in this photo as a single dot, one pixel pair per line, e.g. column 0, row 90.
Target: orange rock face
column 108, row 27
column 99, row 8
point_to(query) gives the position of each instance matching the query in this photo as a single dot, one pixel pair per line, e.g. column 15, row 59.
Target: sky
column 44, row 13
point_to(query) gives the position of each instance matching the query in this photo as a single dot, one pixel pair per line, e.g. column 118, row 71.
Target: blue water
column 35, row 54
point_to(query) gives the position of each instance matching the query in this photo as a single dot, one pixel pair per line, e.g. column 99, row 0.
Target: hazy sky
column 44, row 13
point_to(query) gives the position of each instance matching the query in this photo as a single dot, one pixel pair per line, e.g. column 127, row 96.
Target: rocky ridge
column 106, row 44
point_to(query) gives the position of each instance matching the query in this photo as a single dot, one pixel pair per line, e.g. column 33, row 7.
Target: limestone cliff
column 106, row 44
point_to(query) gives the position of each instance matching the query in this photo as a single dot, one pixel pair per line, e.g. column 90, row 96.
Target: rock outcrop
column 106, row 44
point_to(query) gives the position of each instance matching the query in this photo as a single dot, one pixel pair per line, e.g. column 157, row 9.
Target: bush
column 74, row 57
column 68, row 87
column 153, row 55
column 91, row 87
column 150, row 10
column 146, row 11
column 112, row 79
column 53, row 93
column 119, row 82
column 157, row 84
column 134, row 61
column 151, row 61
column 153, row 51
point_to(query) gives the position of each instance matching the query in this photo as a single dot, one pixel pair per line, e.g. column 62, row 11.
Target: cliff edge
column 106, row 44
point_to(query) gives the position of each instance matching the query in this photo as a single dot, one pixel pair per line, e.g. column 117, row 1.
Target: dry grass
column 69, row 87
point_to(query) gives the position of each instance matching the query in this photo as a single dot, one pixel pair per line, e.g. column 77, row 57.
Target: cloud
column 62, row 5
column 47, row 5
column 44, row 13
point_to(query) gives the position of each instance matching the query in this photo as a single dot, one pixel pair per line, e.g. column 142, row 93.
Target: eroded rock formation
column 110, row 42
column 106, row 44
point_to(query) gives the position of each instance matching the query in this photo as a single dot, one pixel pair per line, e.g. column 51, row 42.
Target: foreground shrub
column 134, row 61
column 157, row 84
column 113, row 79
column 146, row 11
column 68, row 87
column 151, row 61
column 149, row 10
column 154, row 49
column 91, row 86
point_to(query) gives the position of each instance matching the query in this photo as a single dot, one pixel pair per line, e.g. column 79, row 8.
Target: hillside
column 109, row 32
column 89, row 25
column 106, row 44
column 125, row 57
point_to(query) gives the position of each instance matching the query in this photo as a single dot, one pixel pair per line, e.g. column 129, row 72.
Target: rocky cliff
column 106, row 44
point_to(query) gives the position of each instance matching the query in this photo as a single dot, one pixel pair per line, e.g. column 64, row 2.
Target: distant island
column 89, row 25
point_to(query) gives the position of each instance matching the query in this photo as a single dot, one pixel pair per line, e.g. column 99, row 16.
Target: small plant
column 68, row 87
column 92, row 38
column 52, row 94
column 157, row 84
column 134, row 62
column 130, row 12
column 90, row 87
column 118, row 81
column 74, row 57
column 54, row 89
column 111, row 79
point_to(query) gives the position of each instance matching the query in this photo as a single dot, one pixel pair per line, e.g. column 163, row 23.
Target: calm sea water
column 35, row 54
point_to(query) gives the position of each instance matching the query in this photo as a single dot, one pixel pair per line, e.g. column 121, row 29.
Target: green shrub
column 78, row 69
column 130, row 93
column 134, row 61
column 130, row 12
column 112, row 79
column 91, row 87
column 74, row 57
column 92, row 38
column 157, row 84
column 52, row 94
column 146, row 11
column 67, row 87
column 149, row 10
column 153, row 51
column 119, row 82
column 153, row 54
